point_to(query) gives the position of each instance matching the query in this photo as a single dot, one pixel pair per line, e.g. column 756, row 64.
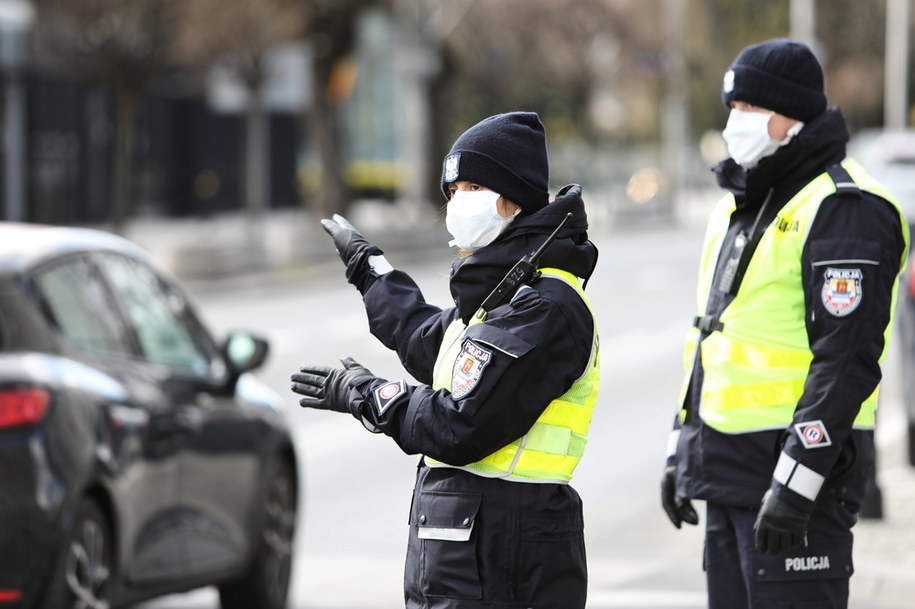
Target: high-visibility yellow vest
column 552, row 448
column 755, row 365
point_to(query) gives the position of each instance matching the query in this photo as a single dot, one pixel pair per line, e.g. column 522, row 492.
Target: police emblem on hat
column 452, row 162
column 841, row 290
column 813, row 434
column 468, row 368
column 728, row 84
column 387, row 394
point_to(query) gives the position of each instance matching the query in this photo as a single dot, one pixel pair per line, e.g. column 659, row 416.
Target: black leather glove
column 678, row 509
column 325, row 388
column 779, row 525
column 352, row 247
column 348, row 241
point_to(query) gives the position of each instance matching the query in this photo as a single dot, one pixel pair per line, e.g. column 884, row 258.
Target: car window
column 158, row 315
column 80, row 305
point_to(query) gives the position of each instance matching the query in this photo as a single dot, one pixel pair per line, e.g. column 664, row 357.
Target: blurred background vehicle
column 138, row 455
column 905, row 323
column 890, row 156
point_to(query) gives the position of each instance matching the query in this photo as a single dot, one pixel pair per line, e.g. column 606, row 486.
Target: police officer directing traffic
column 508, row 383
column 797, row 283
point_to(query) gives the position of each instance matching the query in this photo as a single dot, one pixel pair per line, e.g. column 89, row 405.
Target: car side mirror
column 244, row 352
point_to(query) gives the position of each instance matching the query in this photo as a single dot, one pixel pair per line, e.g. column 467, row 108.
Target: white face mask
column 747, row 136
column 473, row 218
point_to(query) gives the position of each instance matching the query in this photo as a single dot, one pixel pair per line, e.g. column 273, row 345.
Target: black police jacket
column 512, row 392
column 737, row 469
column 527, row 538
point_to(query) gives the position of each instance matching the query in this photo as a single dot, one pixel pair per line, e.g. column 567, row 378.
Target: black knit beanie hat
column 781, row 75
column 505, row 153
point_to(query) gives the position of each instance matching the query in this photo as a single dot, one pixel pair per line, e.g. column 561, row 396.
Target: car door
column 220, row 458
column 138, row 459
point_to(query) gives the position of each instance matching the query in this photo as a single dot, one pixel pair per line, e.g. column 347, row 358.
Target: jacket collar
column 474, row 277
column 820, row 143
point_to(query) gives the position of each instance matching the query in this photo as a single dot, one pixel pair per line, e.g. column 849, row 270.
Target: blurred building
column 189, row 153
column 58, row 132
column 16, row 17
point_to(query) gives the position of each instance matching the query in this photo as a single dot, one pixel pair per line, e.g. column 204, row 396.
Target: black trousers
column 482, row 543
column 814, row 576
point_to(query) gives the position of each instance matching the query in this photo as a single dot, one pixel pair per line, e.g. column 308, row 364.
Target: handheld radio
column 524, row 271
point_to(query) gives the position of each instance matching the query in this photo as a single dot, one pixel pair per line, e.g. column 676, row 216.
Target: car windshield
column 77, row 302
column 157, row 314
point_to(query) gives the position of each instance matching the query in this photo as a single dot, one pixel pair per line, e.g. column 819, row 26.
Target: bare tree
column 331, row 28
column 120, row 43
column 541, row 55
column 239, row 36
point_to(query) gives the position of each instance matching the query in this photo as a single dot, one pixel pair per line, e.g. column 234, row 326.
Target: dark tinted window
column 158, row 314
column 81, row 307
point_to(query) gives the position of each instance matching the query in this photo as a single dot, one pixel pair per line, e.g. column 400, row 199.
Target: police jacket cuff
column 377, row 399
column 358, row 270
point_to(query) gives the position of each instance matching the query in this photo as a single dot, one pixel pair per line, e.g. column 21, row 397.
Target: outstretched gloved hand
column 678, row 509
column 348, row 241
column 779, row 525
column 326, row 388
column 353, row 248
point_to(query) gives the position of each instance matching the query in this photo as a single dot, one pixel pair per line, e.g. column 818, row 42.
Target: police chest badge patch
column 841, row 290
column 468, row 368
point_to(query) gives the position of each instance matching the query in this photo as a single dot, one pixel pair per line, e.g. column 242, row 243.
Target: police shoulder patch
column 841, row 290
column 468, row 368
column 813, row 434
column 387, row 394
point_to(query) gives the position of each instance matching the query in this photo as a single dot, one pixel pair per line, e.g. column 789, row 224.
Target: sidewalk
column 884, row 552
column 210, row 251
column 214, row 249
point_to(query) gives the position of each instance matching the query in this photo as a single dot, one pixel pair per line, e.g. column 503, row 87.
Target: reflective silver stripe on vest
column 798, row 477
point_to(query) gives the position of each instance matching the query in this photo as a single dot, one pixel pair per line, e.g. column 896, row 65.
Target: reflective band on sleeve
column 784, row 468
column 370, row 426
column 380, row 265
column 798, row 477
column 672, row 441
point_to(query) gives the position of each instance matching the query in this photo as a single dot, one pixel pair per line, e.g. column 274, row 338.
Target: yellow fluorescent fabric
column 755, row 367
column 554, row 445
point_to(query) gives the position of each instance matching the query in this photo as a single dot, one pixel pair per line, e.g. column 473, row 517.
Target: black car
column 137, row 456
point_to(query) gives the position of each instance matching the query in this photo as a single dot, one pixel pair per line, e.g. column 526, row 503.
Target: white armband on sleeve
column 672, row 441
column 380, row 265
column 798, row 477
column 369, row 425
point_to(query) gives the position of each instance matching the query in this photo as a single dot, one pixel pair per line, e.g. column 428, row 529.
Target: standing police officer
column 797, row 285
column 509, row 388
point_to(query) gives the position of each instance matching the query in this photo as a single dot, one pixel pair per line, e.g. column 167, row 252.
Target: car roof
column 23, row 245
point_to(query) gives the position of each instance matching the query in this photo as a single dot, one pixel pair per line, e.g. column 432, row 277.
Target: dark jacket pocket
column 445, row 524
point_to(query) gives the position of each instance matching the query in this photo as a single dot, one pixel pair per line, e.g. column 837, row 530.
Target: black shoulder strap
column 845, row 184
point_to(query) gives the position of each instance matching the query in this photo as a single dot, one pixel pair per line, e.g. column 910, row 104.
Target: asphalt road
column 357, row 485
